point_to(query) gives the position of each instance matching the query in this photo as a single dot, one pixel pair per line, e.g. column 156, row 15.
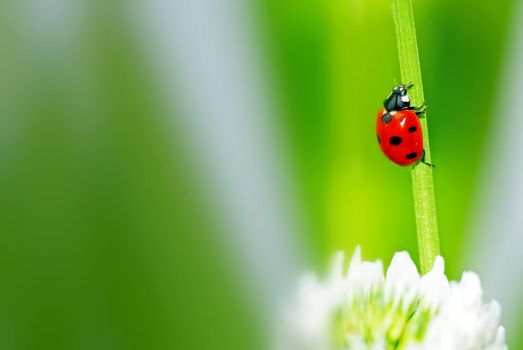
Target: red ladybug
column 399, row 130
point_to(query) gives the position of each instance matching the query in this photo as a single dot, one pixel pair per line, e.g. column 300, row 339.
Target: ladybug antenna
column 409, row 85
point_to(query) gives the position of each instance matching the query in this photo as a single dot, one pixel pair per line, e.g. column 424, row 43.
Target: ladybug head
column 398, row 99
column 400, row 89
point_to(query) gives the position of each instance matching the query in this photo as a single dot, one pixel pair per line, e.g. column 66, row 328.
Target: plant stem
column 422, row 184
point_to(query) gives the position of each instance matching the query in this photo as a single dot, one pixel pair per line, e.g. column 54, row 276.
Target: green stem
column 422, row 184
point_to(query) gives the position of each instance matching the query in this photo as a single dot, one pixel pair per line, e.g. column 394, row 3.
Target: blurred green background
column 110, row 235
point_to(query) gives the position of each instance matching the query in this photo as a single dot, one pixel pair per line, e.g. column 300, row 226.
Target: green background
column 107, row 237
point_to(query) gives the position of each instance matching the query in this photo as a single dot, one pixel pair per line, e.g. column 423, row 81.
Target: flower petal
column 402, row 279
column 434, row 286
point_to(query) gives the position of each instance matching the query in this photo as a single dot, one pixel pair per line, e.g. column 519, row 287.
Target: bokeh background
column 169, row 168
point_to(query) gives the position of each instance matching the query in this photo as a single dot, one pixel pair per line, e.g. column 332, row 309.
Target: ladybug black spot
column 386, row 118
column 411, row 155
column 395, row 140
column 412, row 129
column 379, row 140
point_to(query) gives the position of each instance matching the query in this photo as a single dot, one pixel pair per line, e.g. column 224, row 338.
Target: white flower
column 363, row 309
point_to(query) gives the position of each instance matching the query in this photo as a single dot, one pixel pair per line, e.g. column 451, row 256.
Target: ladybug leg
column 424, row 161
column 420, row 111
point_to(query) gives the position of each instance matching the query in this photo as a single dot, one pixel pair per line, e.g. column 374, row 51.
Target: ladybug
column 399, row 130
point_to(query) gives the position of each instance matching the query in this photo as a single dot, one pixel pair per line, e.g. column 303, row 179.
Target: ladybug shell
column 400, row 139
